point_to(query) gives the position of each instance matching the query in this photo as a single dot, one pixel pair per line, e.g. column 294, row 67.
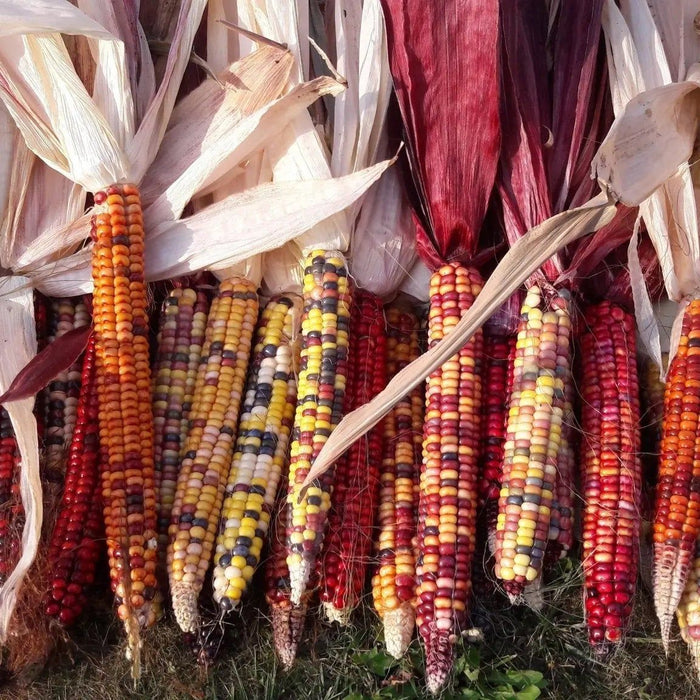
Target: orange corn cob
column 74, row 546
column 394, row 580
column 611, row 470
column 449, row 476
column 348, row 543
column 677, row 516
column 533, row 439
column 124, row 402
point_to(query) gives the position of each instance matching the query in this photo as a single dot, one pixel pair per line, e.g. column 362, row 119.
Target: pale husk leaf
column 283, row 270
column 224, row 233
column 46, row 16
column 17, row 332
column 526, row 255
column 416, row 284
column 225, row 146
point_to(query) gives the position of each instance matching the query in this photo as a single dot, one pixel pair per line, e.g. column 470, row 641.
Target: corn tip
column 398, row 629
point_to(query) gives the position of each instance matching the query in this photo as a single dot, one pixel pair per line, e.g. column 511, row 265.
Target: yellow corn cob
column 261, row 453
column 321, row 393
column 208, row 450
column 533, row 439
column 688, row 611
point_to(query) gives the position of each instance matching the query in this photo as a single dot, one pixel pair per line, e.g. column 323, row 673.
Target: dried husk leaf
column 17, row 332
column 526, row 255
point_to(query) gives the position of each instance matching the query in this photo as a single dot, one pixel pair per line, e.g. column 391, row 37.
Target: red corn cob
column 10, row 503
column 677, row 516
column 74, row 547
column 611, row 471
column 449, row 476
column 348, row 542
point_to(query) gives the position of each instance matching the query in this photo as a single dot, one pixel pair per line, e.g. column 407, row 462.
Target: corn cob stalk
column 499, row 349
column 321, row 395
column 688, row 612
column 449, row 479
column 125, row 414
column 394, row 581
column 74, row 547
column 11, row 513
column 261, row 454
column 533, row 439
column 208, row 450
column 287, row 619
column 611, row 471
column 180, row 340
column 677, row 515
column 348, row 543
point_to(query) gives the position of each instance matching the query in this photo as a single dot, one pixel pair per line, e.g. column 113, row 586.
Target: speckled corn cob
column 208, row 450
column 125, row 415
column 533, row 439
column 449, row 476
column 321, row 396
column 180, row 339
column 348, row 543
column 394, row 580
column 688, row 612
column 611, row 471
column 261, row 454
column 677, row 516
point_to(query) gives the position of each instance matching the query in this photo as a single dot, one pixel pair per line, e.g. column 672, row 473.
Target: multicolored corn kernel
column 287, row 619
column 677, row 516
column 611, row 472
column 261, row 453
column 394, row 579
column 208, row 449
column 320, row 400
column 180, row 340
column 348, row 543
column 542, row 368
column 124, row 406
column 688, row 612
column 74, row 547
column 449, row 480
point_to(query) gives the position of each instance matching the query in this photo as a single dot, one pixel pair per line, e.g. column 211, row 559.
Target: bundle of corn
column 535, row 506
column 454, row 183
column 670, row 216
column 394, row 579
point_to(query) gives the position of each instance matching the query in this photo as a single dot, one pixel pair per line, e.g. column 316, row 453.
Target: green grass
column 522, row 655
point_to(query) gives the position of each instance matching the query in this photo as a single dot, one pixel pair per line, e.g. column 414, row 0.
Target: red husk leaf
column 526, row 117
column 47, row 364
column 444, row 61
column 579, row 83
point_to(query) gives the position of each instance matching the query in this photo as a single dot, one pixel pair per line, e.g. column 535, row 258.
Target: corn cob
column 11, row 513
column 261, row 454
column 449, row 479
column 321, row 395
column 348, row 543
column 208, row 449
column 533, row 439
column 498, row 374
column 125, row 414
column 677, row 516
column 287, row 619
column 688, row 612
column 394, row 581
column 180, row 339
column 652, row 394
column 74, row 548
column 611, row 470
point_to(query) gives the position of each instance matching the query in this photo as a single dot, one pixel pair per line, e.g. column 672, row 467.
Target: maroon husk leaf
column 525, row 116
column 47, row 364
column 578, row 74
column 444, row 61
